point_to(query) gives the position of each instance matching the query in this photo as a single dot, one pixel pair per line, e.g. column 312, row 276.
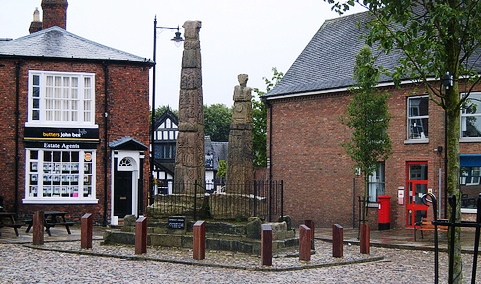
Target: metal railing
column 230, row 201
column 452, row 224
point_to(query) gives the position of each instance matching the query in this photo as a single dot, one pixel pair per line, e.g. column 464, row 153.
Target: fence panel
column 232, row 201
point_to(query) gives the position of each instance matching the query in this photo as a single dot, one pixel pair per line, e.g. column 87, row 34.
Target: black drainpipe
column 17, row 127
column 105, row 146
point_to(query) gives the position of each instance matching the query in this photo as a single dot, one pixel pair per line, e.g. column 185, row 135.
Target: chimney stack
column 36, row 24
column 54, row 13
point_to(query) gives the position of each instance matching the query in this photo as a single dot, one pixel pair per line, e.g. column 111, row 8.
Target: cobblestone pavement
column 65, row 262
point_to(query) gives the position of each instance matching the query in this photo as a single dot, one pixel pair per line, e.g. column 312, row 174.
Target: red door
column 417, row 186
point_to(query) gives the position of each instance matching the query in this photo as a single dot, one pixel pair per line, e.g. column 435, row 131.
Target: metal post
column 256, row 183
column 195, row 200
column 452, row 203
column 152, row 117
column 270, row 201
column 476, row 239
column 353, row 202
column 436, row 242
column 282, row 197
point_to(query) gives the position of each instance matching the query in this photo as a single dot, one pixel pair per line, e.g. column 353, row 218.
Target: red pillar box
column 384, row 212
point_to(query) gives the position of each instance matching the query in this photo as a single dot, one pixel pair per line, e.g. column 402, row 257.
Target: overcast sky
column 248, row 36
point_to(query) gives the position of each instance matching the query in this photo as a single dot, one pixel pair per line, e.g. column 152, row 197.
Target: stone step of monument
column 213, row 241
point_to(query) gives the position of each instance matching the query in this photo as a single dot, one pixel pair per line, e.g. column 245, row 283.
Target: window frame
column 464, row 116
column 377, row 178
column 423, row 138
column 470, row 175
column 64, row 100
column 72, row 182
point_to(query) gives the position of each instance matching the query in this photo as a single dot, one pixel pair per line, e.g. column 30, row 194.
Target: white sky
column 248, row 36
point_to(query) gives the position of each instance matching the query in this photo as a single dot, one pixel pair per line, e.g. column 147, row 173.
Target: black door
column 123, row 194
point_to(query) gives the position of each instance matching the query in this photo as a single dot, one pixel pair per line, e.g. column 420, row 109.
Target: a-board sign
column 176, row 222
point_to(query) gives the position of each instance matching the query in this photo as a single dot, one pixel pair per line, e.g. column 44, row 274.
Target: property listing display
column 61, row 174
column 60, row 164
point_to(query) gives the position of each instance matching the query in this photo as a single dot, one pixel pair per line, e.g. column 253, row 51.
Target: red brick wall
column 128, row 107
column 318, row 175
column 7, row 130
column 54, row 13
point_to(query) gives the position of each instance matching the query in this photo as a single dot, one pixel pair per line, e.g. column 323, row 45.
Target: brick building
column 75, row 120
column 305, row 136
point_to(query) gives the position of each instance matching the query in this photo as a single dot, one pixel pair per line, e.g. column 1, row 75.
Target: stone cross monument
column 189, row 159
column 240, row 170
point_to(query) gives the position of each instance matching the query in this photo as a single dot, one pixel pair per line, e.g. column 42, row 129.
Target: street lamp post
column 177, row 39
column 447, row 82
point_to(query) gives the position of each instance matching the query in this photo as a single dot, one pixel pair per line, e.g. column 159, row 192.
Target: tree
column 217, row 121
column 222, row 170
column 259, row 117
column 434, row 37
column 368, row 117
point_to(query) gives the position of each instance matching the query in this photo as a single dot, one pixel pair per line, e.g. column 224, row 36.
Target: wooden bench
column 11, row 221
column 427, row 225
column 49, row 225
column 15, row 226
column 67, row 225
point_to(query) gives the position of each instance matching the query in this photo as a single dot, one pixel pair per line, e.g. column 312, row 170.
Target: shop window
column 471, row 118
column 61, row 98
column 55, row 176
column 418, row 117
column 376, row 183
column 470, row 180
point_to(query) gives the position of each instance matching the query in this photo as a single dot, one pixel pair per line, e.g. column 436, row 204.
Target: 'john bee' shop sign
column 55, row 136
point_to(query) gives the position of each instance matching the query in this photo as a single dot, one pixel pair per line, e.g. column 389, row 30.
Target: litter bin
column 384, row 212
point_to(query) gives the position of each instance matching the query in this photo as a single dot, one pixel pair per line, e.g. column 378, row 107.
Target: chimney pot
column 36, row 24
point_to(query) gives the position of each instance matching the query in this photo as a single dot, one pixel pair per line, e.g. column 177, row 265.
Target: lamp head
column 177, row 39
column 447, row 80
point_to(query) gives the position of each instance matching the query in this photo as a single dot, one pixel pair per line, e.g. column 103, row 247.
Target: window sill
column 469, row 210
column 416, row 141
column 61, row 125
column 469, row 139
column 59, row 201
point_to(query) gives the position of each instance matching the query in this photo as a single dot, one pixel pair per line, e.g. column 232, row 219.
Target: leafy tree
column 368, row 117
column 217, row 121
column 222, row 170
column 259, row 117
column 434, row 37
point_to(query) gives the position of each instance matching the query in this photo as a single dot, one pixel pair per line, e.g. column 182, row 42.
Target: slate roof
column 56, row 42
column 127, row 143
column 217, row 149
column 327, row 61
column 221, row 150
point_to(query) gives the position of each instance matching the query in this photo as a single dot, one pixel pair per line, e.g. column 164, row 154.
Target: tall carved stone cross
column 189, row 159
column 240, row 170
